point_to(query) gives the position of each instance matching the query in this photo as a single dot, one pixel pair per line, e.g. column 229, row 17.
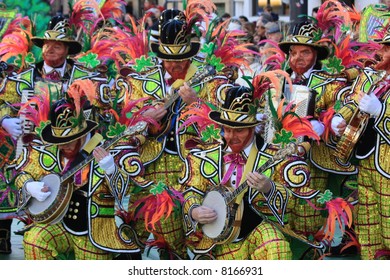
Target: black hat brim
column 48, row 137
column 216, row 117
column 74, row 46
column 195, row 47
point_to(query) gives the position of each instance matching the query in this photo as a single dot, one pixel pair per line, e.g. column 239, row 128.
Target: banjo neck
column 290, row 149
column 205, row 75
column 139, row 127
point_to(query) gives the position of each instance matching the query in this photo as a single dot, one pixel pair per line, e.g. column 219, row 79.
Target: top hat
column 66, row 125
column 238, row 110
column 175, row 39
column 59, row 30
column 307, row 34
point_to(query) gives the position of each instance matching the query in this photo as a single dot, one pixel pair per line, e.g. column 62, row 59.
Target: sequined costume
column 163, row 155
column 205, row 169
column 372, row 150
column 330, row 91
column 88, row 228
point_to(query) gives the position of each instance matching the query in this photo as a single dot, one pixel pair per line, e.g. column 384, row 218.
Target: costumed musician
column 82, row 220
column 163, row 152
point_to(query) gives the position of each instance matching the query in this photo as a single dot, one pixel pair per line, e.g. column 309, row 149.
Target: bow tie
column 237, row 162
column 235, row 158
column 169, row 81
column 299, row 80
column 53, row 76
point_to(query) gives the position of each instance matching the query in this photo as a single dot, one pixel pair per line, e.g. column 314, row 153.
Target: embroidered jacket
column 151, row 84
column 96, row 195
column 204, row 170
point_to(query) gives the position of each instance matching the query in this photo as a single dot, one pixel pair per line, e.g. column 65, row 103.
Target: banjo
column 229, row 204
column 170, row 101
column 53, row 209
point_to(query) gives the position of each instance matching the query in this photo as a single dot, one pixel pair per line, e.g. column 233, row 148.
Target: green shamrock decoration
column 30, row 59
column 38, row 129
column 216, row 62
column 90, row 60
column 158, row 189
column 252, row 109
column 325, row 197
column 211, row 133
column 142, row 63
column 317, row 35
column 19, row 61
column 208, row 48
column 284, row 137
column 114, row 130
column 334, row 65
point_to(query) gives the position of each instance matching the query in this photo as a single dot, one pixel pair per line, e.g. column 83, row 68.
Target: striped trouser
column 373, row 210
column 265, row 242
column 166, row 169
column 49, row 242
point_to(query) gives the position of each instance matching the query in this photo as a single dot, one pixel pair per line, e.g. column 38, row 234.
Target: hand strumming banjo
column 52, row 210
column 170, row 101
column 229, row 208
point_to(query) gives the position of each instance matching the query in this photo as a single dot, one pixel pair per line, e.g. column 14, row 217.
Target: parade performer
column 80, row 221
column 322, row 91
column 370, row 96
column 163, row 152
column 228, row 165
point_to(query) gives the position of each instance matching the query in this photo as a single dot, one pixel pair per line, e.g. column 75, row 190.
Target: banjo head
column 215, row 200
column 38, row 207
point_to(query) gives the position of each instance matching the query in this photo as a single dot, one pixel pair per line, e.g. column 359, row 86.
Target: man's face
column 54, row 53
column 302, row 58
column 260, row 29
column 70, row 150
column 177, row 69
column 383, row 57
column 238, row 138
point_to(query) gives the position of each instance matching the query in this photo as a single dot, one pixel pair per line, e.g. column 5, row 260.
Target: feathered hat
column 307, row 34
column 59, row 30
column 175, row 40
column 67, row 119
column 66, row 124
column 238, row 110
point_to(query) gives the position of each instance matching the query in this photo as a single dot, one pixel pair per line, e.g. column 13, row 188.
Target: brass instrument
column 366, row 82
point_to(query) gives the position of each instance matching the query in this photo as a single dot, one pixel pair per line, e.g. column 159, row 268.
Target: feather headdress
column 222, row 48
column 159, row 204
column 16, row 43
column 331, row 17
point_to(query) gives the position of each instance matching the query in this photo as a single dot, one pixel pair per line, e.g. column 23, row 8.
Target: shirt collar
column 60, row 70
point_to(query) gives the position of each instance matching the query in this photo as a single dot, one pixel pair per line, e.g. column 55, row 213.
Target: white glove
column 370, row 104
column 35, row 189
column 107, row 164
column 13, row 126
column 336, row 120
column 318, row 127
column 260, row 127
